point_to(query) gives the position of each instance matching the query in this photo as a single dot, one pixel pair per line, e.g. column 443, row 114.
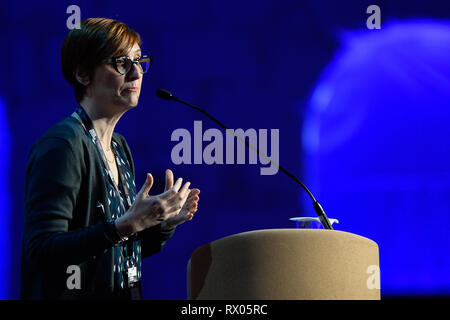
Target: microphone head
column 164, row 94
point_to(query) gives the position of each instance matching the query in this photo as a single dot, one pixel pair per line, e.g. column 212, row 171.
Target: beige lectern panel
column 284, row 264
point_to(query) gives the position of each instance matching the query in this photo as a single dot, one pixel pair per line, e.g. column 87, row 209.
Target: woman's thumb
column 147, row 185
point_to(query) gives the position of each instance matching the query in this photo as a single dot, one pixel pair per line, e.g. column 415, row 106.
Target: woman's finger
column 184, row 189
column 169, row 180
column 177, row 185
column 195, row 190
column 192, row 198
column 189, row 205
column 143, row 193
column 192, row 194
column 172, row 191
column 192, row 206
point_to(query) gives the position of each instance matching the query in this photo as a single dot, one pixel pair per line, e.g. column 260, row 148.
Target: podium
column 285, row 264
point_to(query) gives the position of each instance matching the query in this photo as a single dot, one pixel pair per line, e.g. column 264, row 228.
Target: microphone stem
column 317, row 207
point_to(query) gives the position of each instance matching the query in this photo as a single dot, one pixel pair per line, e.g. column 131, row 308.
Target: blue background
column 363, row 118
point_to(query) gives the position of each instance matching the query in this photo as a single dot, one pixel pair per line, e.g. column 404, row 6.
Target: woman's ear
column 81, row 77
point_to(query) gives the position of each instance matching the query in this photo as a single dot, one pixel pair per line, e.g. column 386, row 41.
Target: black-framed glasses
column 123, row 64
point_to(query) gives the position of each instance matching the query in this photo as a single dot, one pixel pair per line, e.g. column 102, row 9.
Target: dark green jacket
column 62, row 224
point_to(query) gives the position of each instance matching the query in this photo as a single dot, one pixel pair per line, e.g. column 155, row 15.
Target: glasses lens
column 123, row 65
column 145, row 64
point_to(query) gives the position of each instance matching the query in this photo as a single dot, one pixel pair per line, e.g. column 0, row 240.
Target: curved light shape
column 376, row 142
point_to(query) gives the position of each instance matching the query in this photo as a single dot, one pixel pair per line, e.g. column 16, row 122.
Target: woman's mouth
column 133, row 89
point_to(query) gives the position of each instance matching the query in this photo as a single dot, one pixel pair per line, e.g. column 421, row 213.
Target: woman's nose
column 135, row 72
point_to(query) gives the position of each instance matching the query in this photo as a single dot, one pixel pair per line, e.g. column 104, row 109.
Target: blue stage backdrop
column 371, row 106
column 5, row 201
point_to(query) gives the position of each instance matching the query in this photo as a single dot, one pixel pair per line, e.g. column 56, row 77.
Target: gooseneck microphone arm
column 166, row 95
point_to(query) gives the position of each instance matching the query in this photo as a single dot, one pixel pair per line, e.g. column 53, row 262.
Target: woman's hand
column 186, row 213
column 148, row 211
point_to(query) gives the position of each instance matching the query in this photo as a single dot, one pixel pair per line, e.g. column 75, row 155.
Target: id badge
column 132, row 276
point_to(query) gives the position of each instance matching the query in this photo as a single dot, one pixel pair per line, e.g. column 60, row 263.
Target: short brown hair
column 96, row 40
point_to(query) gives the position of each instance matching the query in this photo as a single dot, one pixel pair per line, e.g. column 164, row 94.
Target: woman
column 85, row 227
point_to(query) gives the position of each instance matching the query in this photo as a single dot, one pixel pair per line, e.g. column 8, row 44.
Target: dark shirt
column 63, row 226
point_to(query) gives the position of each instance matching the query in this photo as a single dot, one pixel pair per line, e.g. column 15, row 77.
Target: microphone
column 167, row 95
column 164, row 94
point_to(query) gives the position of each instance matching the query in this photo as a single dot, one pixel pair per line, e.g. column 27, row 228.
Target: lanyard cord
column 88, row 126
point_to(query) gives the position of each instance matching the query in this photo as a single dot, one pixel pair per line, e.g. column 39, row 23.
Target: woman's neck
column 103, row 121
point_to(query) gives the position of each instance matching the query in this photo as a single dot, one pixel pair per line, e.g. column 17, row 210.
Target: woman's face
column 109, row 88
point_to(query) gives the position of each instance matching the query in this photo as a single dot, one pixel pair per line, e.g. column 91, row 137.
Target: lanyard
column 130, row 271
column 88, row 126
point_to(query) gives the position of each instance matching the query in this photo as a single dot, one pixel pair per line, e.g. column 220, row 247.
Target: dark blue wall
column 252, row 64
